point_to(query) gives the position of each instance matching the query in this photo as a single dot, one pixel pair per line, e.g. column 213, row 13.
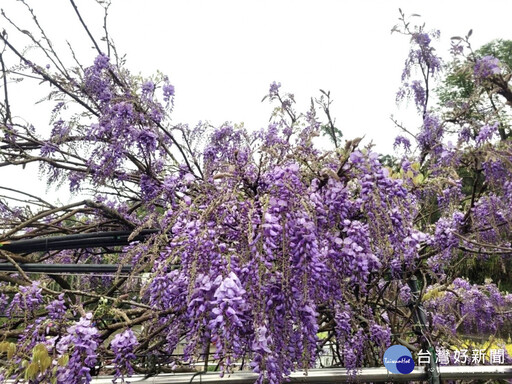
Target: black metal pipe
column 421, row 320
column 67, row 268
column 82, row 240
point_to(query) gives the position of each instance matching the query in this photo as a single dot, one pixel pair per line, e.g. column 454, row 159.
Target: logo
column 398, row 359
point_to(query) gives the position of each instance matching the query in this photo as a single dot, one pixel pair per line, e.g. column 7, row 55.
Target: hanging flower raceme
column 123, row 345
column 57, row 308
column 264, row 249
column 230, row 325
column 26, row 301
column 80, row 346
column 259, row 267
column 482, row 308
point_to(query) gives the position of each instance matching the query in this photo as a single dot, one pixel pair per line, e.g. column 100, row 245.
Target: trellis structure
column 78, row 241
column 433, row 373
column 82, row 240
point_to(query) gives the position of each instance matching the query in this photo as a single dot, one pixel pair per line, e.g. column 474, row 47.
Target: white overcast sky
column 222, row 55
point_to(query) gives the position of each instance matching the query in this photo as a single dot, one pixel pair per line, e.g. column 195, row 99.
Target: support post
column 421, row 321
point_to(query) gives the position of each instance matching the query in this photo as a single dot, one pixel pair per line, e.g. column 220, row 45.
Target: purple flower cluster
column 445, row 240
column 419, row 94
column 123, row 345
column 126, row 129
column 97, row 82
column 57, row 308
column 486, row 67
column 101, row 62
column 256, row 271
column 226, row 147
column 423, row 56
column 26, row 301
column 482, row 309
column 496, row 170
column 380, row 335
column 451, row 195
column 148, row 88
column 274, row 89
column 80, row 343
column 4, row 300
column 265, row 241
column 486, row 133
column 230, row 315
column 431, row 135
column 492, row 217
column 228, row 302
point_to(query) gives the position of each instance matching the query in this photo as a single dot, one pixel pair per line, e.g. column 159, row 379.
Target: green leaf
column 45, row 363
column 40, row 348
column 11, row 350
column 63, row 360
column 32, row 371
column 418, row 179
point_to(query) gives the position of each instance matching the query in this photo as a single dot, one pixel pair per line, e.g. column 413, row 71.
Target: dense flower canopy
column 266, row 250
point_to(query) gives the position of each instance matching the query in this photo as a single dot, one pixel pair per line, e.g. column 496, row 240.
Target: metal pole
column 420, row 318
column 81, row 240
column 67, row 268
